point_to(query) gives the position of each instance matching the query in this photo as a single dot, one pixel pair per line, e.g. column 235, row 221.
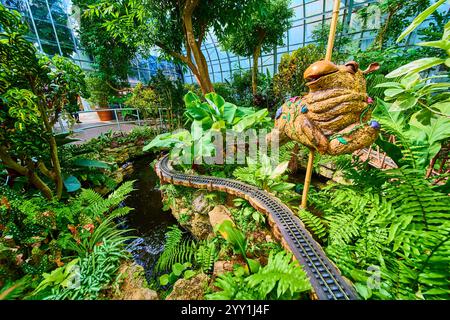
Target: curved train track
column 326, row 280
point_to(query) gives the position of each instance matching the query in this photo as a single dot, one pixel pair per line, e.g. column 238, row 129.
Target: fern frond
column 314, row 224
column 205, row 256
column 281, row 277
column 175, row 250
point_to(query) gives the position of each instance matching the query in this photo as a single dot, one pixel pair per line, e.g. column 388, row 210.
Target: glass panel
column 39, row 9
column 45, row 30
column 50, row 48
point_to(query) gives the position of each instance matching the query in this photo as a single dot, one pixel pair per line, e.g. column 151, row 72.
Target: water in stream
column 147, row 218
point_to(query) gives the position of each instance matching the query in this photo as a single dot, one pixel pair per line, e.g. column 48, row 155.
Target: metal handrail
column 139, row 120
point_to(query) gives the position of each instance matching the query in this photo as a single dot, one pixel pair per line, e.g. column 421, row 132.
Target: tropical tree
column 177, row 27
column 111, row 56
column 34, row 91
column 260, row 30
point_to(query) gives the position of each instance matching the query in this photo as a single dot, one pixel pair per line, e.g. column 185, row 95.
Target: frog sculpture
column 334, row 117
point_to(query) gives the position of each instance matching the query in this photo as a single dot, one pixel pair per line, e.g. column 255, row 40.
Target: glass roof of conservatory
column 309, row 14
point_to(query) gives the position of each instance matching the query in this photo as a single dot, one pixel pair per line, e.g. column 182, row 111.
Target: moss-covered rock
column 192, row 289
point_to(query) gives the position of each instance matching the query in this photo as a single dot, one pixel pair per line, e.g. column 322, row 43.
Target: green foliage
column 39, row 235
column 265, row 175
column 263, row 27
column 176, row 250
column 417, row 111
column 289, row 80
column 246, row 217
column 35, row 91
column 208, row 120
column 343, row 44
column 99, row 90
column 399, row 13
column 313, row 223
column 399, row 230
column 280, row 279
column 178, row 270
column 170, row 26
column 205, row 256
column 145, row 100
column 236, row 238
column 111, row 55
column 14, row 290
column 96, row 272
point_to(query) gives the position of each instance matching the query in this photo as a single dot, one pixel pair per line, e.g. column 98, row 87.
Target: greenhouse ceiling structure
column 248, row 150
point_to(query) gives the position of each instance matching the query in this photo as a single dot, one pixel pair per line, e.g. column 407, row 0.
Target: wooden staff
column 331, row 36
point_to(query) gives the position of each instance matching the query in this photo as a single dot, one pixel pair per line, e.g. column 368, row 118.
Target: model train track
column 326, row 280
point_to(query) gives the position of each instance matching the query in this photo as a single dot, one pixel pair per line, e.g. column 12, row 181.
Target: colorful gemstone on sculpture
column 375, row 124
column 279, row 111
column 336, row 105
column 304, row 109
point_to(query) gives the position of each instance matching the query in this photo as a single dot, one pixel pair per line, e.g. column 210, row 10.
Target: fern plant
column 314, row 223
column 176, row 250
column 400, row 230
column 280, row 279
column 205, row 256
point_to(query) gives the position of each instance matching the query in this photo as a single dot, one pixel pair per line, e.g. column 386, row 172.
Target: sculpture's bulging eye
column 352, row 66
column 319, row 69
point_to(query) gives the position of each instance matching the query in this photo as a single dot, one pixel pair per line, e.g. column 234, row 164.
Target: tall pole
column 331, row 36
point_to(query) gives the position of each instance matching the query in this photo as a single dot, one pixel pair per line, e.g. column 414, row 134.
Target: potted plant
column 99, row 94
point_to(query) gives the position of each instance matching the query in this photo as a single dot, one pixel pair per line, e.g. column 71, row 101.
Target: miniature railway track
column 325, row 277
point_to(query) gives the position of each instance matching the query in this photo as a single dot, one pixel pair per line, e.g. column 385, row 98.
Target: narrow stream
column 148, row 219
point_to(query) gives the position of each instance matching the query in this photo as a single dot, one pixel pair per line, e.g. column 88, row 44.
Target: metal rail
column 325, row 277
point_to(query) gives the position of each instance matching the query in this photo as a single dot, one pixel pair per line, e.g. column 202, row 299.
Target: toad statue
column 334, row 117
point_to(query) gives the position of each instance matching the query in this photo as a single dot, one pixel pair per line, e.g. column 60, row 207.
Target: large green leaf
column 419, row 19
column 229, row 111
column 233, row 236
column 216, row 102
column 191, row 99
column 441, row 44
column 72, row 184
column 91, row 163
column 249, row 120
column 393, row 151
column 167, row 140
column 436, row 130
column 415, row 66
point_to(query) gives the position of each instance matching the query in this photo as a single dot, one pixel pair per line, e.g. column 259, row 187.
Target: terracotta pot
column 105, row 115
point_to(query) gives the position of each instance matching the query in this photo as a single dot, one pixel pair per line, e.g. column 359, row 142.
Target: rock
column 218, row 215
column 326, row 172
column 200, row 204
column 133, row 284
column 192, row 289
column 222, row 267
column 200, row 227
column 338, row 177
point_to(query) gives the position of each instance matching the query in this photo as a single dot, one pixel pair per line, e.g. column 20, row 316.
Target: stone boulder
column 200, row 227
column 222, row 266
column 218, row 215
column 200, row 204
column 192, row 289
column 133, row 284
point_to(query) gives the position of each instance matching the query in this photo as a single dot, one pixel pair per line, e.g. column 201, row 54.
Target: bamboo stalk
column 331, row 37
column 309, row 168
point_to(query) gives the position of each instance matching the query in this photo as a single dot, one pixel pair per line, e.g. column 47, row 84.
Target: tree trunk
column 40, row 185
column 56, row 170
column 33, row 178
column 256, row 54
column 201, row 65
column 56, row 167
